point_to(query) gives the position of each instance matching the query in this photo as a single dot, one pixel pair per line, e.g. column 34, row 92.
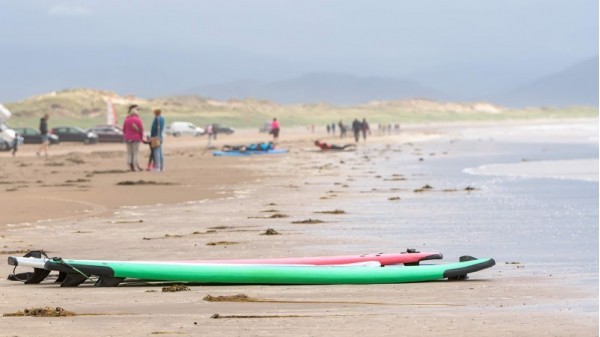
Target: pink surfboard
column 410, row 257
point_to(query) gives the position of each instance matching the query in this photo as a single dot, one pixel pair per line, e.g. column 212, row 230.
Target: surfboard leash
column 61, row 261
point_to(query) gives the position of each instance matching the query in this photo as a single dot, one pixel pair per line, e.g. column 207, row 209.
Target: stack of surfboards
column 348, row 269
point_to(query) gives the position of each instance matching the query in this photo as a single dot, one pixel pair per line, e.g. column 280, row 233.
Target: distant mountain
column 576, row 85
column 332, row 88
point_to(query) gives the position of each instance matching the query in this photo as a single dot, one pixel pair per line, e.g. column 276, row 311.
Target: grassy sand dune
column 87, row 107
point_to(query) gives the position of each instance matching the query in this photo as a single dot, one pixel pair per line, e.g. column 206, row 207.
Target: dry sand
column 71, row 205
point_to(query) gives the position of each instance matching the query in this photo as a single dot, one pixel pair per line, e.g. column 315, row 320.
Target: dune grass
column 85, row 108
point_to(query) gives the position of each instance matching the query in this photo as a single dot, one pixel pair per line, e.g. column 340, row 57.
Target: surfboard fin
column 73, row 280
column 109, row 281
column 61, row 277
column 36, row 277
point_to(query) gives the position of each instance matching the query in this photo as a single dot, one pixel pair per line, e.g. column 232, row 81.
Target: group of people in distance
column 357, row 128
column 133, row 135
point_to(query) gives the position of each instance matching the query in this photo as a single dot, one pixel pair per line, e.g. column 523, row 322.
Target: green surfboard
column 111, row 273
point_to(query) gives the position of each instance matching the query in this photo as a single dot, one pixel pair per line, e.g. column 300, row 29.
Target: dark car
column 33, row 136
column 220, row 128
column 74, row 134
column 107, row 133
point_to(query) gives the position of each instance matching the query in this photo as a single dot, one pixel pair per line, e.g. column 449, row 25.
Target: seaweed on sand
column 143, row 182
column 222, row 243
column 231, row 298
column 308, row 221
column 175, row 288
column 42, row 312
column 335, row 211
column 271, row 231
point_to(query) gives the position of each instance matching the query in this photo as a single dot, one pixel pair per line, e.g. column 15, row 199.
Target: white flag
column 111, row 115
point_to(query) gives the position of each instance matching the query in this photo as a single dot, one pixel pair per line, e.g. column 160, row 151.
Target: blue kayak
column 235, row 153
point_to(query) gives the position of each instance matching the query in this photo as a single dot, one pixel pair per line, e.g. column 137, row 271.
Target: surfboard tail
column 459, row 274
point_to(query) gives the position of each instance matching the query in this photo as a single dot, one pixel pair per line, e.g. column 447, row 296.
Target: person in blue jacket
column 158, row 126
column 262, row 146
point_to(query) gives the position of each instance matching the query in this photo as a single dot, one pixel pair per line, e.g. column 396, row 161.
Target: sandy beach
column 81, row 202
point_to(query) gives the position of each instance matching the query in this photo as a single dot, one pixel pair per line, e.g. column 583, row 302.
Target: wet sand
column 206, row 207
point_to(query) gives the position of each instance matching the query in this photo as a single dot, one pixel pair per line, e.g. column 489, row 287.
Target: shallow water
column 548, row 226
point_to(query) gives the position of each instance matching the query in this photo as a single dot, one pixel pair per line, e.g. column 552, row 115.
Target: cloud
column 68, row 10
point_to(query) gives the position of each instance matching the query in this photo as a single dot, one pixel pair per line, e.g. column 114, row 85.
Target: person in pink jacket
column 275, row 129
column 133, row 134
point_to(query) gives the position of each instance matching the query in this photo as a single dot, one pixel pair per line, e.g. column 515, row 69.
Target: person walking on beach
column 15, row 144
column 44, row 134
column 156, row 139
column 209, row 133
column 275, row 129
column 365, row 128
column 356, row 127
column 342, row 129
column 133, row 134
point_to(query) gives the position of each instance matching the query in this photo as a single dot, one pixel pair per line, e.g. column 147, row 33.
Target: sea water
column 547, row 225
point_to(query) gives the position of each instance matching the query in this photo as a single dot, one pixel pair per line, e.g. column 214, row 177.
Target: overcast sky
column 151, row 48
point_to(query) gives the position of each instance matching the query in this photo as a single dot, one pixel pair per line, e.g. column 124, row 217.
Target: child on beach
column 150, row 166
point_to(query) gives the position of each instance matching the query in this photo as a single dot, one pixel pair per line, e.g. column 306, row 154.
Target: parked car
column 74, row 134
column 220, row 128
column 177, row 129
column 266, row 128
column 107, row 133
column 7, row 134
column 33, row 136
column 5, row 144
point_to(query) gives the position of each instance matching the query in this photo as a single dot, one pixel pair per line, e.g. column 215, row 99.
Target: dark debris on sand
column 308, row 221
column 143, row 182
column 231, row 298
column 108, row 171
column 175, row 288
column 222, row 243
column 271, row 231
column 335, row 211
column 423, row 189
column 42, row 312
